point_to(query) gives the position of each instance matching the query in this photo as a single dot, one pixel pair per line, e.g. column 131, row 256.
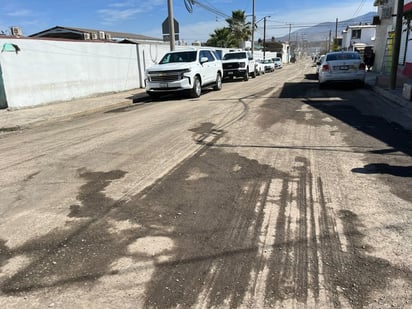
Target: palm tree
column 241, row 29
column 222, row 37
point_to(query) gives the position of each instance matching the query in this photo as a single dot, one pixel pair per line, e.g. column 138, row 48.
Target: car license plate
column 163, row 85
column 344, row 67
column 230, row 73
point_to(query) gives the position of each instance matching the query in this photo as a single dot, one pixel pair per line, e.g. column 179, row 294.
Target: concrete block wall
column 45, row 71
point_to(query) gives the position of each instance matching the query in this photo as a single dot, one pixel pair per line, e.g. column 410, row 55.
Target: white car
column 269, row 65
column 185, row 71
column 260, row 67
column 318, row 63
column 343, row 66
column 278, row 62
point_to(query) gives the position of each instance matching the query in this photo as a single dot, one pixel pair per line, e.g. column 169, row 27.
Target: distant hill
column 320, row 32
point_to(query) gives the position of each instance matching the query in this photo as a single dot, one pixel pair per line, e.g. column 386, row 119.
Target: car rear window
column 342, row 56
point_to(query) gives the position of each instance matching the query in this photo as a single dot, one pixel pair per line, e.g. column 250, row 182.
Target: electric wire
column 190, row 3
column 359, row 8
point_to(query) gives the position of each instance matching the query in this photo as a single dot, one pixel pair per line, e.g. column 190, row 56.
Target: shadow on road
column 383, row 168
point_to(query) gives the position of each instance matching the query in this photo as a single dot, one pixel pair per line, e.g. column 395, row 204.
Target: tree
column 238, row 30
column 241, row 30
column 222, row 37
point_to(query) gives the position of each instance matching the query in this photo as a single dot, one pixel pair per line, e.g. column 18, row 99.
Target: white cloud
column 112, row 16
column 20, row 13
column 200, row 31
column 120, row 11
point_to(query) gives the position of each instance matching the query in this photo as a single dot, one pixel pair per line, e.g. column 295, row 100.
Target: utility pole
column 253, row 26
column 289, row 46
column 264, row 37
column 397, row 44
column 290, row 29
column 336, row 35
column 330, row 36
column 171, row 24
column 408, row 30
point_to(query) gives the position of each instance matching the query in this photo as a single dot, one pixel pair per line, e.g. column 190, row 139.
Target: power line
column 359, row 8
column 189, row 6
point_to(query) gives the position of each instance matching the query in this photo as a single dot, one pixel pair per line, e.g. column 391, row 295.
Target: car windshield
column 267, row 61
column 231, row 56
column 343, row 56
column 187, row 56
column 276, row 59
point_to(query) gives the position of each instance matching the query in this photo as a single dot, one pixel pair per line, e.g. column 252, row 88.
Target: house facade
column 385, row 37
column 358, row 37
column 407, row 69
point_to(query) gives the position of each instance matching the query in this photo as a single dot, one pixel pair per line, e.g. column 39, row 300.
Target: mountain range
column 321, row 31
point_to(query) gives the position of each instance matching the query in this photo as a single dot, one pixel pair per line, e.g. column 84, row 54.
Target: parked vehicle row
column 194, row 69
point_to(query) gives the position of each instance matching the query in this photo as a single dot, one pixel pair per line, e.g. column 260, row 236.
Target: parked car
column 238, row 64
column 343, row 66
column 260, row 67
column 278, row 62
column 269, row 65
column 318, row 63
column 185, row 71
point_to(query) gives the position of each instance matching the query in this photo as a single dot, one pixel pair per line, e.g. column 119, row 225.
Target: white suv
column 186, row 70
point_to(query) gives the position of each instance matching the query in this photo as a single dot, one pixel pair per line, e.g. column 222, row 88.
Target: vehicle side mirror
column 204, row 59
column 318, row 63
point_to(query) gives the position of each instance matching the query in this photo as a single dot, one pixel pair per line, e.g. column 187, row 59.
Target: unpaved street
column 269, row 193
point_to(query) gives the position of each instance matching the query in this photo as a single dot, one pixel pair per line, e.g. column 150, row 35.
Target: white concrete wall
column 150, row 54
column 46, row 71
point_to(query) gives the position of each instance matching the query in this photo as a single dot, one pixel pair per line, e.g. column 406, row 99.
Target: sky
column 196, row 21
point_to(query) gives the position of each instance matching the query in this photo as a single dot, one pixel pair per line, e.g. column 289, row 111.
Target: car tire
column 218, row 83
column 254, row 74
column 196, row 91
column 246, row 77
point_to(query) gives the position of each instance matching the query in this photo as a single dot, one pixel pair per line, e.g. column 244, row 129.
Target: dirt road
column 269, row 193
